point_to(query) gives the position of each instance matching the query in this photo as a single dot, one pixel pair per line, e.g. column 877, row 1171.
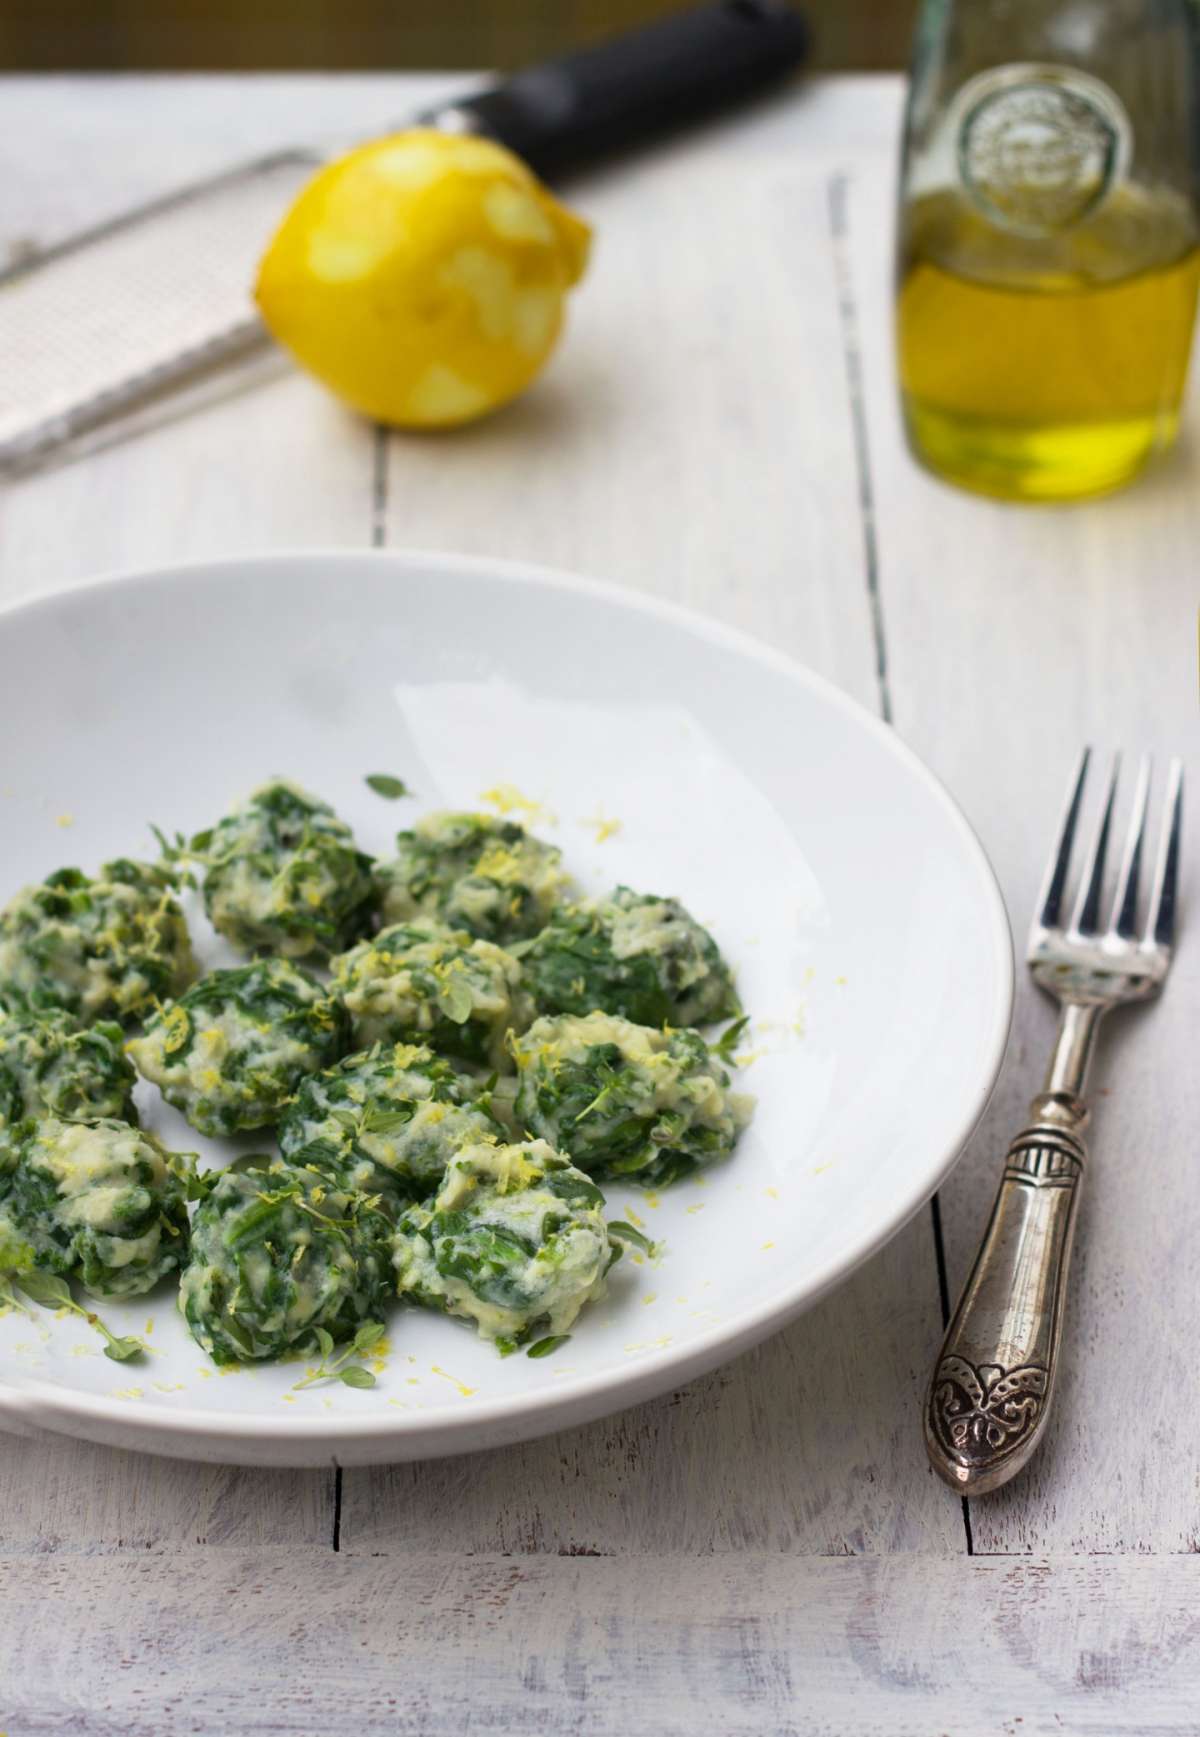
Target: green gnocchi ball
column 514, row 1240
column 103, row 948
column 285, row 876
column 275, row 1254
column 632, row 954
column 422, row 983
column 50, row 1066
column 473, row 872
column 101, row 1202
column 232, row 1050
column 626, row 1100
column 385, row 1122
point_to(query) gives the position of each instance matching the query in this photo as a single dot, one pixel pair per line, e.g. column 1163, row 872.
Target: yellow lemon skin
column 422, row 277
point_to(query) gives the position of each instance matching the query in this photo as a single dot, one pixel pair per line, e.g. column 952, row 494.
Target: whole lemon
column 422, row 277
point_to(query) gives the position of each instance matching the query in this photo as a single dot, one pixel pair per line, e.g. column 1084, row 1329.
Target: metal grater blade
column 96, row 329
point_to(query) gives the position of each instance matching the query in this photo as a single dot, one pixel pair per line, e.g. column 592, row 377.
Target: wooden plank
column 738, row 1644
column 277, row 467
column 1015, row 634
column 59, row 1495
column 78, row 150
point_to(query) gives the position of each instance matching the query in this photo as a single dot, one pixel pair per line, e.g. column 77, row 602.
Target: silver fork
column 991, row 1389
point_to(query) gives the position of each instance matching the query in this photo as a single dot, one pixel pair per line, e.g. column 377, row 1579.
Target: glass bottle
column 1049, row 239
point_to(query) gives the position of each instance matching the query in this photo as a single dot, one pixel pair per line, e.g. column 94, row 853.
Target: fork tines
column 1086, row 915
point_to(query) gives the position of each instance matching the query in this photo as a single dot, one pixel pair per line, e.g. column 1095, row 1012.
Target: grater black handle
column 567, row 112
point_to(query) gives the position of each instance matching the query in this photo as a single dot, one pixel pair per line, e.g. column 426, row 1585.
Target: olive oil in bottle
column 1049, row 240
column 1046, row 371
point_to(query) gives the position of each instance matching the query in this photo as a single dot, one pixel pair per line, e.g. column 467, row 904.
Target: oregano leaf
column 383, row 784
column 546, row 1347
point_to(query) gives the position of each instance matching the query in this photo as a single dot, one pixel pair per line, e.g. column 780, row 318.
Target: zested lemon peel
column 422, row 277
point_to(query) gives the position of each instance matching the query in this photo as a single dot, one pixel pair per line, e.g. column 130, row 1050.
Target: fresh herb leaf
column 730, row 1038
column 54, row 1293
column 10, row 1300
column 455, row 1001
column 383, row 784
column 197, row 1185
column 247, row 1161
column 47, row 1289
column 382, row 1121
column 175, row 858
column 240, row 1334
column 626, row 1233
column 120, row 1350
column 546, row 1347
column 340, row 1368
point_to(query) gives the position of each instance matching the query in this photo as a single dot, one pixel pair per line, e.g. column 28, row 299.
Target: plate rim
column 586, row 1397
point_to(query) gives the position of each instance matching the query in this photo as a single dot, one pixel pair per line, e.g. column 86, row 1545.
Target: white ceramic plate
column 866, row 928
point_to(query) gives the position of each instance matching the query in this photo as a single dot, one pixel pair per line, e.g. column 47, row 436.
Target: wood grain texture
column 737, row 1645
column 1036, row 630
column 58, row 1495
column 693, row 436
column 76, row 150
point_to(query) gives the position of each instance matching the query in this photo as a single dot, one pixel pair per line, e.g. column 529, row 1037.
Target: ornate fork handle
column 994, row 1378
column 991, row 1388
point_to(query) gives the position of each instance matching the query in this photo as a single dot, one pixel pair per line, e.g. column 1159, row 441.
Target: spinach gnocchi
column 625, row 1099
column 276, row 1254
column 473, row 872
column 101, row 1202
column 402, row 1173
column 50, row 1066
column 631, row 954
column 385, row 1122
column 232, row 1050
column 514, row 1240
column 102, row 948
column 283, row 875
column 424, row 983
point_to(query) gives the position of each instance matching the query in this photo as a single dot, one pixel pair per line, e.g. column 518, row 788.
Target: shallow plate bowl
column 659, row 750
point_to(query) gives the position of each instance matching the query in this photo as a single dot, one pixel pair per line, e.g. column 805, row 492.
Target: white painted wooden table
column 765, row 1551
